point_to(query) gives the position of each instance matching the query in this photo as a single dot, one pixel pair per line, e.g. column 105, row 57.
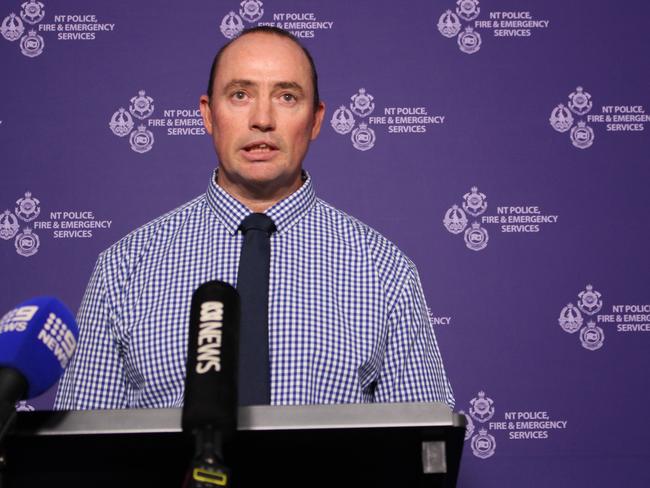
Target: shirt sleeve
column 94, row 379
column 412, row 370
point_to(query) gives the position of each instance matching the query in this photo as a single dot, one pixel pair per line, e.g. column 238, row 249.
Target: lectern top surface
column 266, row 417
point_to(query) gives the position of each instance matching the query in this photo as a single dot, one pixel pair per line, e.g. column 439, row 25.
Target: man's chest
column 327, row 317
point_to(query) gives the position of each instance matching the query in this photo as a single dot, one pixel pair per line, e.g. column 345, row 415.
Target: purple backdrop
column 501, row 144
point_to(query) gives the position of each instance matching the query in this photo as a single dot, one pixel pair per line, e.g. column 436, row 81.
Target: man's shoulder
column 355, row 233
column 152, row 233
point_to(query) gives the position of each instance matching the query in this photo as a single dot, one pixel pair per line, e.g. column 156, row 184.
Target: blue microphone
column 37, row 340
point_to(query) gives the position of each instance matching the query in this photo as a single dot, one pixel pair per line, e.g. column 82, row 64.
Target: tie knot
column 258, row 221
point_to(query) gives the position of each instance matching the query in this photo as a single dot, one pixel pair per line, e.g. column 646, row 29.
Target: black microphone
column 210, row 400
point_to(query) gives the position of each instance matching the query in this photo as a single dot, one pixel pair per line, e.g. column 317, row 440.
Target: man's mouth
column 259, row 151
column 259, row 148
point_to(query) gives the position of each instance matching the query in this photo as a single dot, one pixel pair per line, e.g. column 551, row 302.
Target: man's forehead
column 263, row 52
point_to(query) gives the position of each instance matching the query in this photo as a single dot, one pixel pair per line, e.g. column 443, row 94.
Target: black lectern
column 359, row 445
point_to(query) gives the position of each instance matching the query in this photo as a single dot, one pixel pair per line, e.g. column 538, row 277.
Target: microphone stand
column 13, row 387
column 207, row 469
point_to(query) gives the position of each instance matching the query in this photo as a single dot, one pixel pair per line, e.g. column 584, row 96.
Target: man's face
column 261, row 115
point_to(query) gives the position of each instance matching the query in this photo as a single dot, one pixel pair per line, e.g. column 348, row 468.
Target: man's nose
column 262, row 116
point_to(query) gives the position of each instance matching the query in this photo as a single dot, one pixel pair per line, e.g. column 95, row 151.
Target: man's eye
column 239, row 95
column 288, row 97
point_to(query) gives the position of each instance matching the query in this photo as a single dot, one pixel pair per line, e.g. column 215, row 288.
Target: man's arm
column 412, row 370
column 95, row 377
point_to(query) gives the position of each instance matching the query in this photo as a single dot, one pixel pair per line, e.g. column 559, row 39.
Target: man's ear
column 319, row 113
column 206, row 113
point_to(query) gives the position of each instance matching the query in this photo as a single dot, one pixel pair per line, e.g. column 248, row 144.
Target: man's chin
column 265, row 178
column 262, row 173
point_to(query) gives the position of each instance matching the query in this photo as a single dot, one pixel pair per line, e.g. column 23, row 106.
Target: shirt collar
column 285, row 213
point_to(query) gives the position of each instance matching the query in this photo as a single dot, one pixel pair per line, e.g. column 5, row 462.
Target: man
column 347, row 320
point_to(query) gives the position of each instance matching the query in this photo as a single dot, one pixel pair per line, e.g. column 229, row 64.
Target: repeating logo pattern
column 233, row 23
column 455, row 220
column 562, row 120
column 534, row 425
column 343, row 122
column 21, row 224
column 251, row 13
column 141, row 107
column 571, row 319
column 510, row 219
column 26, row 241
column 13, row 28
column 463, row 24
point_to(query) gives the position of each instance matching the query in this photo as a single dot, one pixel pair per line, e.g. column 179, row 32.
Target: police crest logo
column 582, row 136
column 589, row 301
column 455, row 220
column 141, row 140
column 561, row 119
column 482, row 407
column 27, row 208
column 121, row 123
column 8, row 225
column 251, row 10
column 141, row 106
column 32, row 44
column 32, row 12
column 449, row 24
column 469, row 41
column 483, row 444
column 476, row 237
column 475, row 203
column 231, row 25
column 27, row 243
column 342, row 120
column 570, row 319
column 362, row 103
column 12, row 27
column 580, row 101
column 468, row 9
column 592, row 336
column 363, row 137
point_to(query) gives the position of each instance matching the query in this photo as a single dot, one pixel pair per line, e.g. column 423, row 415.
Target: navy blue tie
column 253, row 288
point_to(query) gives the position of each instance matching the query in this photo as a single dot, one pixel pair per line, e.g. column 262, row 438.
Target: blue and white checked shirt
column 347, row 317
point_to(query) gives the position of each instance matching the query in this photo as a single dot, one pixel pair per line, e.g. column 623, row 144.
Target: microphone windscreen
column 212, row 352
column 38, row 338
